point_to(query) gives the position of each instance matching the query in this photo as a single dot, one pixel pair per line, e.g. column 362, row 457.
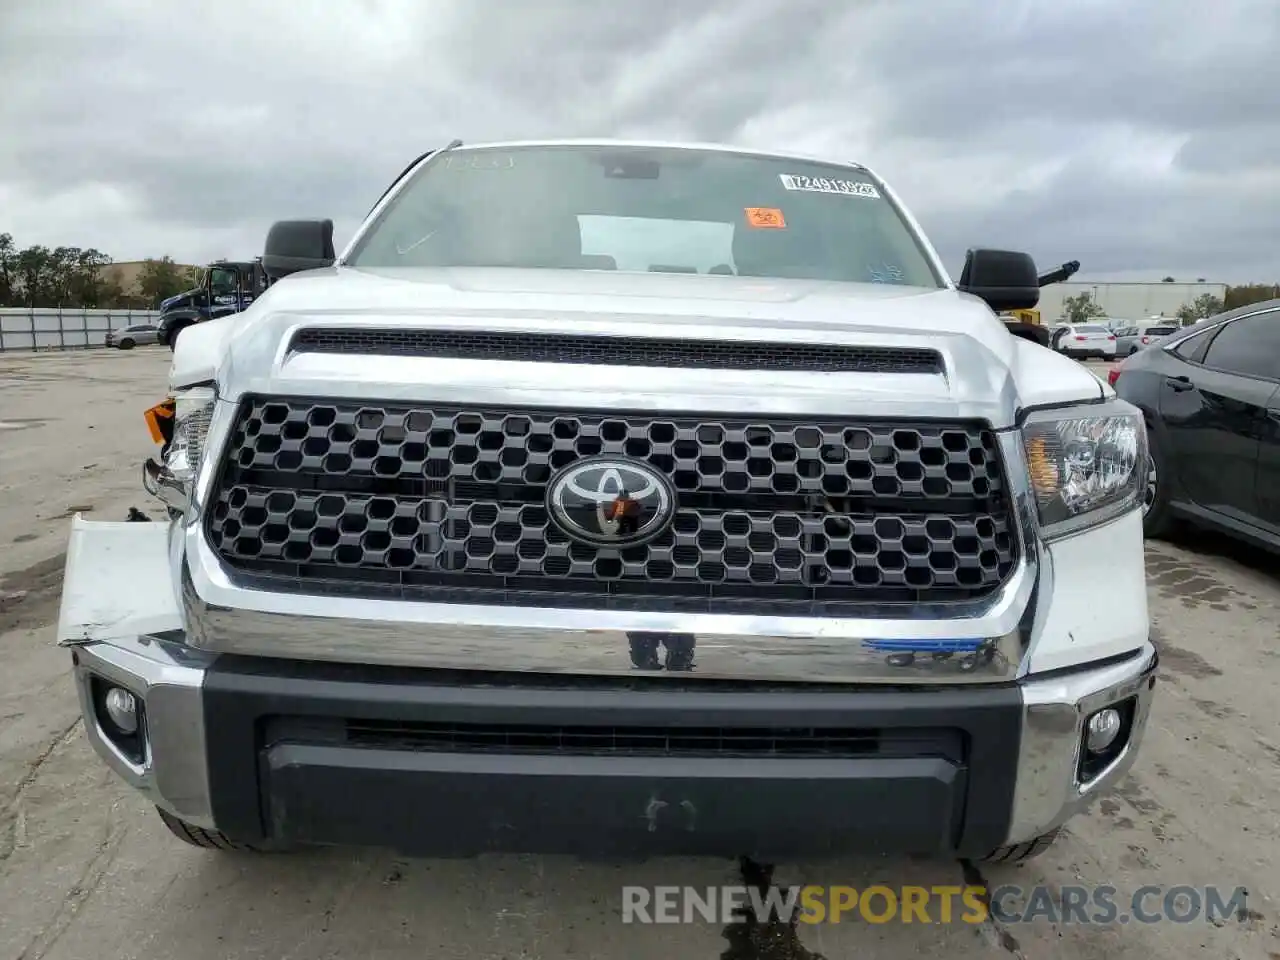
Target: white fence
column 53, row 328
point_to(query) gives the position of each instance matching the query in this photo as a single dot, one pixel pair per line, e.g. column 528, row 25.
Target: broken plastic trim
column 160, row 420
column 159, row 481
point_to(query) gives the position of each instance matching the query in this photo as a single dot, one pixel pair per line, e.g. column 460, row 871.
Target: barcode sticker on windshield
column 849, row 188
column 479, row 161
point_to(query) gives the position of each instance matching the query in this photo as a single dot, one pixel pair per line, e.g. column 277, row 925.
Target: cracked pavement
column 88, row 871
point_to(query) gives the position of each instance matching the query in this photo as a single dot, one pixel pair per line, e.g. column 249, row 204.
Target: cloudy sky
column 1141, row 137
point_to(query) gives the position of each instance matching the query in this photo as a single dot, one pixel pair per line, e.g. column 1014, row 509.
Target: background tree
column 1168, row 280
column 1205, row 305
column 160, row 279
column 62, row 277
column 36, row 280
column 8, row 270
column 1081, row 308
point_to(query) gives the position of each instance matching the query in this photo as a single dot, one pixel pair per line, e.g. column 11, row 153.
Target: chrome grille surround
column 800, row 516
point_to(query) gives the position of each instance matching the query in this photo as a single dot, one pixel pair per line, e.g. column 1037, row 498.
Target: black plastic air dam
column 280, row 766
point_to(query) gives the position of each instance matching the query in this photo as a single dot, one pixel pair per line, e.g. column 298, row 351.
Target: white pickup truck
column 639, row 498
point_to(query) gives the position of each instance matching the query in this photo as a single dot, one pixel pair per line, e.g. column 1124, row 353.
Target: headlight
column 181, row 424
column 1087, row 464
column 192, row 414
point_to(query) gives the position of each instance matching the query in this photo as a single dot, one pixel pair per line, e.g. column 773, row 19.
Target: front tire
column 171, row 341
column 1157, row 515
column 126, row 344
column 1016, row 853
column 189, row 833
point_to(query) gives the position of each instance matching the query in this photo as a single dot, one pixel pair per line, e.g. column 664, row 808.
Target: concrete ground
column 88, row 871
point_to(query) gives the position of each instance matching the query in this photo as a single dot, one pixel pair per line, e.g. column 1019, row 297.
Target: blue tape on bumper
column 923, row 646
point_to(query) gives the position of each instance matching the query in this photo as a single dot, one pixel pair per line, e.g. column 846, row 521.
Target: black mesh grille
column 447, row 504
column 619, row 351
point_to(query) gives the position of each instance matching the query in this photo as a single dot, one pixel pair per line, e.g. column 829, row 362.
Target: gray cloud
column 1139, row 138
column 1248, row 148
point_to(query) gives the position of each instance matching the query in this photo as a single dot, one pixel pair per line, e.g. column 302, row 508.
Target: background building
column 1127, row 301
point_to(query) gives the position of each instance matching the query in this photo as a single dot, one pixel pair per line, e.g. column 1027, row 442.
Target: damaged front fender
column 117, row 583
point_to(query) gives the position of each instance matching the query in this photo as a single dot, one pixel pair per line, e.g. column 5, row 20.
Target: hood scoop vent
column 624, row 351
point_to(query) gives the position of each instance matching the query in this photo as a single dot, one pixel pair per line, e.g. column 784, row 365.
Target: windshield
column 222, row 280
column 1159, row 331
column 646, row 209
column 1089, row 328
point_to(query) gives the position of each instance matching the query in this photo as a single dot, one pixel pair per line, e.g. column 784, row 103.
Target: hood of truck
column 180, row 301
column 988, row 373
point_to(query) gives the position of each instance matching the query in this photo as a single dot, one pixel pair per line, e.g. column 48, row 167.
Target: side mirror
column 1005, row 279
column 294, row 245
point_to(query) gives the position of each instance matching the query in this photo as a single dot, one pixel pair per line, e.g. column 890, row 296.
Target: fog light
column 1103, row 728
column 122, row 709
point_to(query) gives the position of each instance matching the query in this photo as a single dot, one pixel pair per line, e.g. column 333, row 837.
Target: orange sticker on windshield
column 769, row 218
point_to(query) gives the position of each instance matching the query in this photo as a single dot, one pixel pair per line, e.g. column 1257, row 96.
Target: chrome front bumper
column 169, row 677
column 1054, row 711
column 162, row 642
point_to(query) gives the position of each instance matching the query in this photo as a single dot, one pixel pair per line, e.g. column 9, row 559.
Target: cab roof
column 660, row 145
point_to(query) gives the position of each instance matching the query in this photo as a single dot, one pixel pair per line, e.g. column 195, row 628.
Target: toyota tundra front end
column 523, row 527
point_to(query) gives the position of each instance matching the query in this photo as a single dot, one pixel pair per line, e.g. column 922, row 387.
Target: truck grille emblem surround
column 608, row 501
column 449, row 504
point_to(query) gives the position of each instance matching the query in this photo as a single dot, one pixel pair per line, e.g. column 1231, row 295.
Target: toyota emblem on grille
column 611, row 501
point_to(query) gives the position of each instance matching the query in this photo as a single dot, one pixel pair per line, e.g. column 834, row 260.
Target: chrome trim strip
column 226, row 617
column 1187, row 332
column 1048, row 791
column 168, row 678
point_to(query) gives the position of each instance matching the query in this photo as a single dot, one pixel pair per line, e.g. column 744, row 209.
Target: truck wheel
column 1021, row 852
column 212, row 839
column 172, row 339
column 126, row 344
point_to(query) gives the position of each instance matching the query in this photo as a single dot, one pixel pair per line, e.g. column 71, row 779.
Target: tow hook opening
column 1104, row 736
column 122, row 717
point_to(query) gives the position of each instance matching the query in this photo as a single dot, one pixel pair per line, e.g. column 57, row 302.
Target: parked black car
column 1211, row 395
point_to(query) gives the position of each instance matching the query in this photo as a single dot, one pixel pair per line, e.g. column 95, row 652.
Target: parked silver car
column 1131, row 339
column 138, row 335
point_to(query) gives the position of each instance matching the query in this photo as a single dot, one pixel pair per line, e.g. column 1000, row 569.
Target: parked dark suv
column 1211, row 396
